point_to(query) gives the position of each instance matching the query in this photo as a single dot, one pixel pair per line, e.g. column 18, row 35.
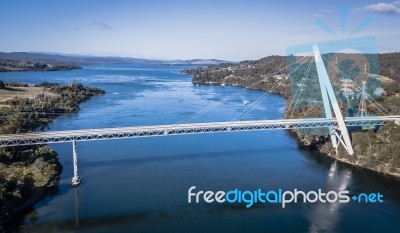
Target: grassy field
column 21, row 92
column 382, row 78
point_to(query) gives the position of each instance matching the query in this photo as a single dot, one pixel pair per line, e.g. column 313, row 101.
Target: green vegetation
column 377, row 150
column 35, row 65
column 27, row 114
column 27, row 172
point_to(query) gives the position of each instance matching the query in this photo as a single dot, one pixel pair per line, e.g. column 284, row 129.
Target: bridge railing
column 181, row 129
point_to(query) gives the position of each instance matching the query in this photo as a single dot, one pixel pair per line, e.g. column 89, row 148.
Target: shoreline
column 36, row 66
column 20, row 212
column 302, row 145
column 345, row 161
column 36, row 168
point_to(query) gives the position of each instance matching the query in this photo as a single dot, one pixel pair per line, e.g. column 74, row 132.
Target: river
column 141, row 185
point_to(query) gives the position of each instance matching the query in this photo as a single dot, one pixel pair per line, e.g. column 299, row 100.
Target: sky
column 186, row 29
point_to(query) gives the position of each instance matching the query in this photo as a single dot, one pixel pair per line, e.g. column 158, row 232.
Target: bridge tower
column 338, row 134
column 76, row 180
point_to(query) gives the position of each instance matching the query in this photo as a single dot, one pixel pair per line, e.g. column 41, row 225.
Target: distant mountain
column 82, row 60
column 24, row 56
column 197, row 62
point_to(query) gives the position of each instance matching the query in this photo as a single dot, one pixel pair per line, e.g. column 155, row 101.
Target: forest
column 376, row 149
column 29, row 172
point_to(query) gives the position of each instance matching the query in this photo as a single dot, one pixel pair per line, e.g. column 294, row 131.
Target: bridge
column 337, row 125
column 184, row 129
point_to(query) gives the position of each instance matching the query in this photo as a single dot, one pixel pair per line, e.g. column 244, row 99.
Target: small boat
column 76, row 181
column 223, row 84
column 246, row 102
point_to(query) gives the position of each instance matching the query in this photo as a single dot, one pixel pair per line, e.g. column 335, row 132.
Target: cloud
column 318, row 15
column 102, row 25
column 223, row 32
column 327, row 11
column 384, row 8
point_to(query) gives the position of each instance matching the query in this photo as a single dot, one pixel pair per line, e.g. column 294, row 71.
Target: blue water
column 141, row 185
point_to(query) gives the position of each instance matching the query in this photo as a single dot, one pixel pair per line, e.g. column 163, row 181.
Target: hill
column 377, row 149
column 77, row 60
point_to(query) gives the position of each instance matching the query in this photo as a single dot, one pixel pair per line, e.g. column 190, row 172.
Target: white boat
column 76, row 181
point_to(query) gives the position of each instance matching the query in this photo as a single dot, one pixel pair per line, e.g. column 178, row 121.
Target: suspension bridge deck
column 181, row 129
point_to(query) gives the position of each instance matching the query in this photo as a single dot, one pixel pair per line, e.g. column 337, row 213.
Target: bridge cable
column 48, row 114
column 294, row 97
column 358, row 88
column 261, row 98
column 301, row 89
column 266, row 94
column 234, row 94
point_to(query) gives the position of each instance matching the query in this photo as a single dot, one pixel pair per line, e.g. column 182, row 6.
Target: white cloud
column 223, row 32
column 318, row 15
column 102, row 25
column 384, row 8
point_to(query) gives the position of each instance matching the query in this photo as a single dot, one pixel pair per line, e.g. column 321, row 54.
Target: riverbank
column 28, row 173
column 376, row 150
column 22, row 66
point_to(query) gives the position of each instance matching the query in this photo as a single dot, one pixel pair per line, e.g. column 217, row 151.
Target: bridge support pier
column 76, row 180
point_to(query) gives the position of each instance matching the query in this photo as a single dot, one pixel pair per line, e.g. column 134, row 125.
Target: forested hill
column 378, row 150
column 389, row 65
column 246, row 72
column 23, row 61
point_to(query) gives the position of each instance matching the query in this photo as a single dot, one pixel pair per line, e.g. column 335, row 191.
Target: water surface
column 141, row 184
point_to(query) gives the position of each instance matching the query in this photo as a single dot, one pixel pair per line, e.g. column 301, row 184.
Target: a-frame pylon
column 340, row 133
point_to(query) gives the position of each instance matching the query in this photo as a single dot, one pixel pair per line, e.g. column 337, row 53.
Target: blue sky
column 174, row 29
